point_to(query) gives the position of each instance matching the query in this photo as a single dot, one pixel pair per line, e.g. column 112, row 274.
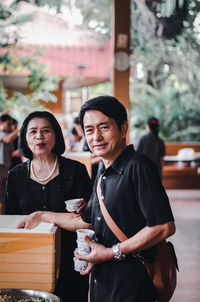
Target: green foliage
column 42, row 85
column 101, row 89
column 96, row 14
column 11, row 60
column 10, row 18
column 165, row 84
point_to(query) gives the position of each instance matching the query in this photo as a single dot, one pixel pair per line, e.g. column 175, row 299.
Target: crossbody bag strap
column 110, row 222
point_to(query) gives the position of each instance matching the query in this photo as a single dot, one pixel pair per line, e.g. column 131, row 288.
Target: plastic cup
column 72, row 204
column 81, row 233
column 83, row 248
column 80, row 265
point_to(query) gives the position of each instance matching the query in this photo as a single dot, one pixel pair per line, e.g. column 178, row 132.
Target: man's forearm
column 9, row 138
column 147, row 237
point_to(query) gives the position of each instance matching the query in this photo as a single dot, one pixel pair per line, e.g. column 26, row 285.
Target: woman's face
column 40, row 136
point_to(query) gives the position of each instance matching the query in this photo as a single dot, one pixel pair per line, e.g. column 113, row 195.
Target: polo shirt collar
column 119, row 164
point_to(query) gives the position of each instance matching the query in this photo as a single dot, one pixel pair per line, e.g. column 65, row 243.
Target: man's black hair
column 14, row 121
column 5, row 117
column 76, row 120
column 153, row 124
column 73, row 131
column 59, row 147
column 108, row 105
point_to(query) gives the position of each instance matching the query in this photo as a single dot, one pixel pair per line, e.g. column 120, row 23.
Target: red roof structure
column 81, row 57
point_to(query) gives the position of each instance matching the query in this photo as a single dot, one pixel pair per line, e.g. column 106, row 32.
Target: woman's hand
column 99, row 253
column 30, row 222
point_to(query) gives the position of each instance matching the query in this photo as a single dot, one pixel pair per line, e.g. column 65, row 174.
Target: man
column 6, row 148
column 134, row 197
column 151, row 144
column 16, row 155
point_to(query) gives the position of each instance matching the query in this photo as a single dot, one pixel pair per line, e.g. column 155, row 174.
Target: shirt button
column 43, row 187
column 44, row 207
column 104, row 177
column 102, row 197
column 98, row 218
column 95, row 281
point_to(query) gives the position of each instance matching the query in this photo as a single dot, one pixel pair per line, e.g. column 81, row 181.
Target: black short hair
column 5, row 117
column 14, row 121
column 76, row 120
column 153, row 124
column 59, row 147
column 73, row 131
column 108, row 105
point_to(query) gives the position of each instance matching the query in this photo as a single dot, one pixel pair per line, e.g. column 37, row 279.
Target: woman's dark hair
column 108, row 105
column 153, row 124
column 59, row 147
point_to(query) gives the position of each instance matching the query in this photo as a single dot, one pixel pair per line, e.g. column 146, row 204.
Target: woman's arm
column 67, row 221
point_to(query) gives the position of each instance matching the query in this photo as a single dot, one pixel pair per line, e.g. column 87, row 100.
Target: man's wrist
column 117, row 252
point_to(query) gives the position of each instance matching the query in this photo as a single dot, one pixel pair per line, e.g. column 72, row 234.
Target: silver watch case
column 117, row 253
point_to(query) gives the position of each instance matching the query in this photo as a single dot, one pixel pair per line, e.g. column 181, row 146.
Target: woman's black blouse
column 24, row 196
column 135, row 198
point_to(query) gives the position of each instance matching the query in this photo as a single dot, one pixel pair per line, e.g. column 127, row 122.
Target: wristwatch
column 117, row 253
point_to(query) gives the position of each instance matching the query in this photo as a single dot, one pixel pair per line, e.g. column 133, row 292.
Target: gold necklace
column 46, row 178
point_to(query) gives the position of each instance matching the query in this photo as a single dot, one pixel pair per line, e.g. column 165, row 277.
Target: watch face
column 121, row 61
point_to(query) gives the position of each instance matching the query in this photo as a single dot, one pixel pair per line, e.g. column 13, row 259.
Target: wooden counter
column 29, row 259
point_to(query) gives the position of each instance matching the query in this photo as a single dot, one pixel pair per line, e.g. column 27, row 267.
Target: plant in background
column 12, row 60
column 40, row 84
column 165, row 84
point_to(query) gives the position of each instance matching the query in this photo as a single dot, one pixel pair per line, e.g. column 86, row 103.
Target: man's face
column 103, row 135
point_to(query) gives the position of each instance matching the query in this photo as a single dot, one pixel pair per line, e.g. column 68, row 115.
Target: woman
column 151, row 144
column 44, row 182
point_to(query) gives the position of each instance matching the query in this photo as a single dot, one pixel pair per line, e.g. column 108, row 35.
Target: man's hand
column 30, row 222
column 99, row 253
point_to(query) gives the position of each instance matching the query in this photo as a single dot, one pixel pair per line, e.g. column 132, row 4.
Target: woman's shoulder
column 20, row 168
column 19, row 173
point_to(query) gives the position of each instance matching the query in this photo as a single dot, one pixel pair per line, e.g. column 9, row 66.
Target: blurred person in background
column 74, row 140
column 7, row 136
column 151, row 144
column 83, row 146
column 16, row 155
column 44, row 182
